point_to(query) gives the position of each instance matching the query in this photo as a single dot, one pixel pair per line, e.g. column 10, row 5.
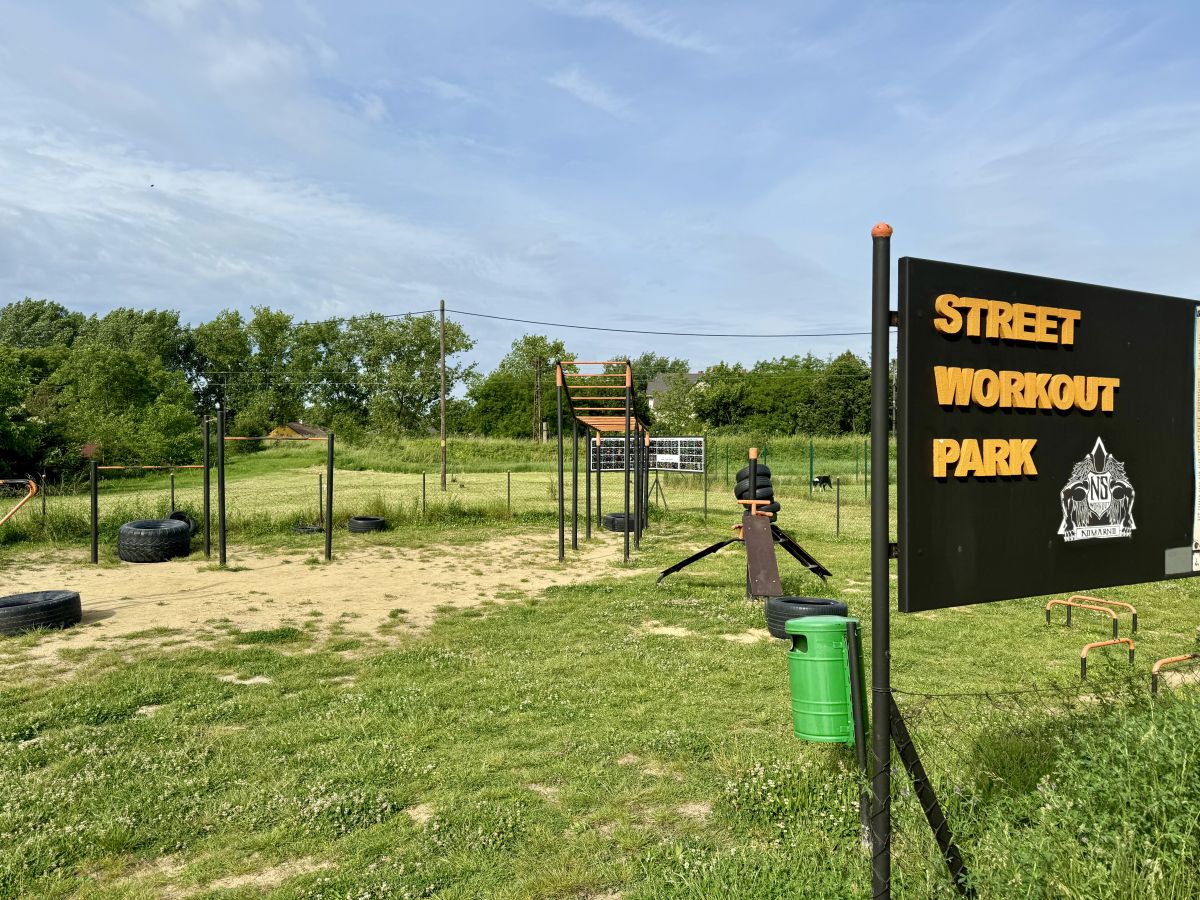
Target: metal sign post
column 881, row 676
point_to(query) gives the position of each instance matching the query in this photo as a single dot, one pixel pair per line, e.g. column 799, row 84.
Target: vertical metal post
column 95, row 513
column 43, row 495
column 321, row 497
column 599, row 480
column 705, row 477
column 587, row 486
column 811, row 472
column 422, row 495
column 207, row 489
column 329, row 498
column 574, row 484
column 881, row 681
column 859, row 714
column 510, row 494
column 838, row 500
column 637, row 487
column 558, row 393
column 221, row 485
column 628, row 403
column 442, row 393
column 172, row 490
column 866, row 469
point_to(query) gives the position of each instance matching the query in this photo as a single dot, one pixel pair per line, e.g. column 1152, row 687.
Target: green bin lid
column 808, row 624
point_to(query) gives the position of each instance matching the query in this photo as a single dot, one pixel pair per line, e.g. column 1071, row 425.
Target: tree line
column 133, row 384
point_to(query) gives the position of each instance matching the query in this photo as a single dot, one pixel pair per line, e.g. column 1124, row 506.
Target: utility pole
column 443, row 392
column 538, row 435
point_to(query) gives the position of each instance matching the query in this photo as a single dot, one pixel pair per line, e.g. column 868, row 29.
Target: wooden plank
column 762, row 571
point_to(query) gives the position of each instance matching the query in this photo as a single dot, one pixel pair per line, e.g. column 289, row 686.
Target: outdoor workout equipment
column 759, row 533
column 1079, row 601
column 677, row 455
column 153, row 540
column 31, row 487
column 1083, row 654
column 141, row 545
column 39, row 609
column 612, row 387
column 222, row 438
column 1163, row 663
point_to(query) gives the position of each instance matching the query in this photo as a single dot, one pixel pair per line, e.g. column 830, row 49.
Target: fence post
column 510, row 495
column 422, row 495
column 704, row 475
column 172, row 490
column 811, row 474
column 329, row 498
column 866, row 469
column 321, row 497
column 95, row 515
column 221, row 486
column 838, row 501
column 587, row 484
column 43, row 495
column 207, row 493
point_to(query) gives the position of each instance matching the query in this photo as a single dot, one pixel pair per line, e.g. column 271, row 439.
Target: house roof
column 306, row 430
column 659, row 384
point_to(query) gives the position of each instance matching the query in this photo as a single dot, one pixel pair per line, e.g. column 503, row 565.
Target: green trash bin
column 819, row 672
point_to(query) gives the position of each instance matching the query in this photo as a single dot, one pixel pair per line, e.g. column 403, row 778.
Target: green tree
column 152, row 332
column 503, row 402
column 19, row 431
column 33, row 323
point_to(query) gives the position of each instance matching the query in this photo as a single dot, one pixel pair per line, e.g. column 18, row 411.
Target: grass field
column 601, row 739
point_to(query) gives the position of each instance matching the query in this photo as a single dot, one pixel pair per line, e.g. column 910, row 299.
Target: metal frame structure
column 94, row 491
column 222, row 438
column 613, row 389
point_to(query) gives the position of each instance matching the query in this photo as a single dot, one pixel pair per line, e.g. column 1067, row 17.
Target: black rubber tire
column 180, row 516
column 363, row 524
column 153, row 540
column 39, row 609
column 781, row 610
column 764, row 471
column 618, row 522
column 308, row 529
column 744, row 485
column 764, row 492
column 770, row 508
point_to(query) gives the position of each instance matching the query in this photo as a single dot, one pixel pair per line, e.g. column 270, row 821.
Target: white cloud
column 650, row 26
column 448, row 90
column 587, row 91
column 234, row 62
column 372, row 107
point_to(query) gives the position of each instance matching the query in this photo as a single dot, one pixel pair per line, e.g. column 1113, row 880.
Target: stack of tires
column 155, row 540
column 764, row 490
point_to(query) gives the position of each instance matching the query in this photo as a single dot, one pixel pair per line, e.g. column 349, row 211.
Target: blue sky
column 692, row 166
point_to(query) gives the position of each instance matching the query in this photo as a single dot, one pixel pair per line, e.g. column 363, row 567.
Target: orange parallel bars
column 1163, row 663
column 1070, row 604
column 30, row 486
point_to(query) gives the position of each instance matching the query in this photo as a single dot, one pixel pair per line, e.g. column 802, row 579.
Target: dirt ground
column 361, row 588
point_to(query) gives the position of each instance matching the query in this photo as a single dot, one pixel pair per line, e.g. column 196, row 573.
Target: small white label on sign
column 667, row 457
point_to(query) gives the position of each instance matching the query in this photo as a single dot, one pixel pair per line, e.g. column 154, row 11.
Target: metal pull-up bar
column 223, row 438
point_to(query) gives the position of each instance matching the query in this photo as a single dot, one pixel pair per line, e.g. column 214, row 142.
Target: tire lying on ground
column 363, row 524
column 39, row 609
column 180, row 516
column 780, row 610
column 764, row 472
column 153, row 540
column 618, row 522
column 308, row 529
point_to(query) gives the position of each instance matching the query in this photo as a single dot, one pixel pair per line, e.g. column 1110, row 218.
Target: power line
column 463, row 312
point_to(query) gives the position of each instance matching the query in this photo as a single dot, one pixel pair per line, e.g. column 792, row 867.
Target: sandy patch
column 752, row 636
column 266, row 878
column 238, row 679
column 265, row 591
column 421, row 813
column 648, row 767
column 545, row 790
column 699, row 811
column 653, row 627
column 147, row 711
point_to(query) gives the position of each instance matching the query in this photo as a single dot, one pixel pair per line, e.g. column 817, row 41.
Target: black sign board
column 1047, row 436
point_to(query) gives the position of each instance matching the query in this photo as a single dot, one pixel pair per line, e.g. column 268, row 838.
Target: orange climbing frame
column 1082, row 601
column 30, row 486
